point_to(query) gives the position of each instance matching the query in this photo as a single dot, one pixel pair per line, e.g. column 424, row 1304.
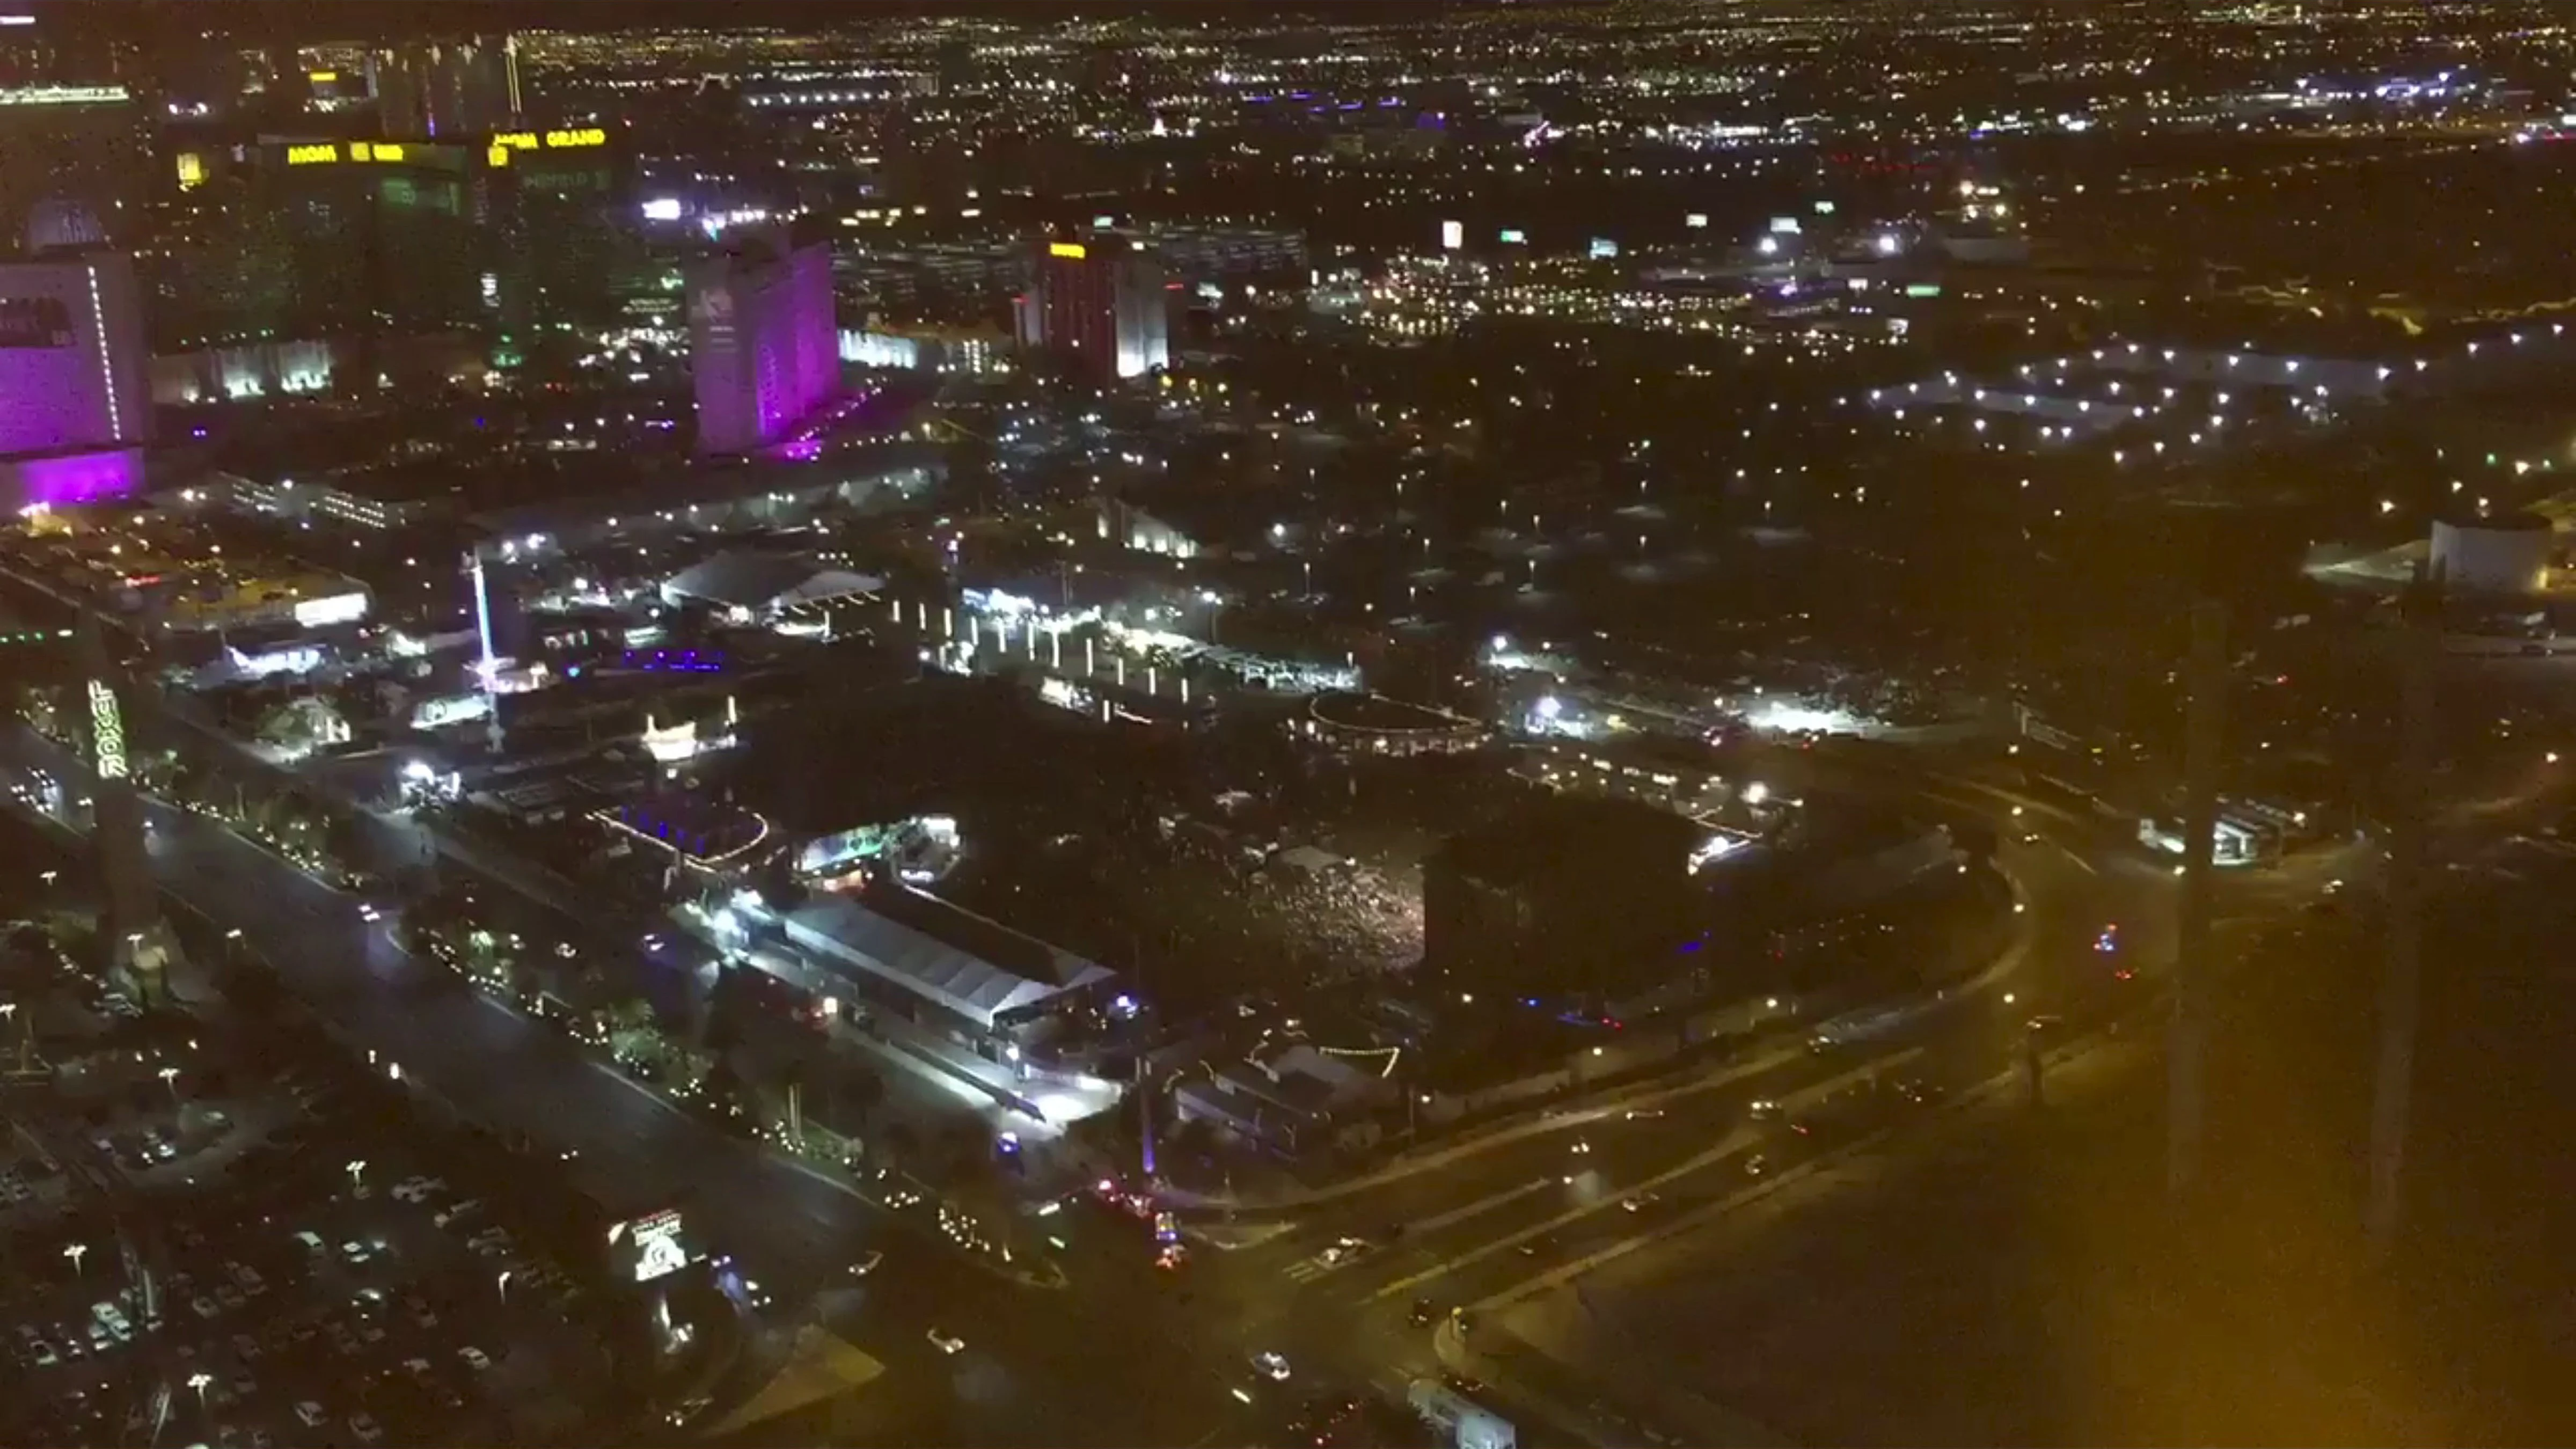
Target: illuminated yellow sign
column 321, row 77
column 361, row 151
column 313, row 154
column 192, row 171
column 499, row 155
column 552, row 140
column 1071, row 251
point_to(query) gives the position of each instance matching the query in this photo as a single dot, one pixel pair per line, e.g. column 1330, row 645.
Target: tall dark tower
column 2391, row 1097
column 2204, row 740
column 134, row 942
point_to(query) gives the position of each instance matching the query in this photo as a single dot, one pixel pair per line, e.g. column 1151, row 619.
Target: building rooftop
column 964, row 982
column 750, row 580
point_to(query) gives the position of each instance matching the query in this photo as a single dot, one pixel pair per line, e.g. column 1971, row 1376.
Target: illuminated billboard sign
column 1513, row 236
column 312, row 153
column 649, row 1247
column 107, row 730
column 1453, row 235
column 572, row 139
column 1070, row 251
column 1784, row 226
column 1603, row 249
column 192, row 170
column 331, row 609
column 1696, row 221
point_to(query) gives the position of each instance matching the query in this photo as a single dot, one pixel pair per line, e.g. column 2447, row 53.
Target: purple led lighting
column 681, row 661
column 72, row 479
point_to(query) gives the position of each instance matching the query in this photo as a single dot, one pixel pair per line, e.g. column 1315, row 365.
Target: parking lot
column 231, row 1241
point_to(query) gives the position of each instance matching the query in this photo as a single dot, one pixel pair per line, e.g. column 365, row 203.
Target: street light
column 76, row 1252
column 170, row 1078
column 505, row 1285
column 48, row 876
column 357, row 1168
column 198, row 1381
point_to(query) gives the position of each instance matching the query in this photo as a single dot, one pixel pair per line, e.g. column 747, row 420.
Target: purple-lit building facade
column 764, row 341
column 75, row 383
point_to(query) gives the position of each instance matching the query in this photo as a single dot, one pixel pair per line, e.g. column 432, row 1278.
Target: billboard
column 1453, row 235
column 35, row 322
column 1603, row 249
column 1512, row 236
column 1784, row 226
column 648, row 1248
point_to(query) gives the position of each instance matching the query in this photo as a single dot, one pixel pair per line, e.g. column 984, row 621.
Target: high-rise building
column 561, row 252
column 764, row 340
column 85, row 144
column 1097, row 304
column 75, row 387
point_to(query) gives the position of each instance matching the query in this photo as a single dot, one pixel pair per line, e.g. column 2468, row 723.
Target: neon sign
column 515, row 140
column 107, row 730
column 499, row 155
column 568, row 140
column 312, row 154
column 1070, row 251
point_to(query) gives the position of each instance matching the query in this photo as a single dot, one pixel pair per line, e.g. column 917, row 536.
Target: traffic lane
column 1617, row 1194
column 1674, row 1121
column 1588, row 1170
column 1580, row 1224
column 1030, row 1355
column 1201, row 1318
column 1722, row 1178
column 1592, row 1172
